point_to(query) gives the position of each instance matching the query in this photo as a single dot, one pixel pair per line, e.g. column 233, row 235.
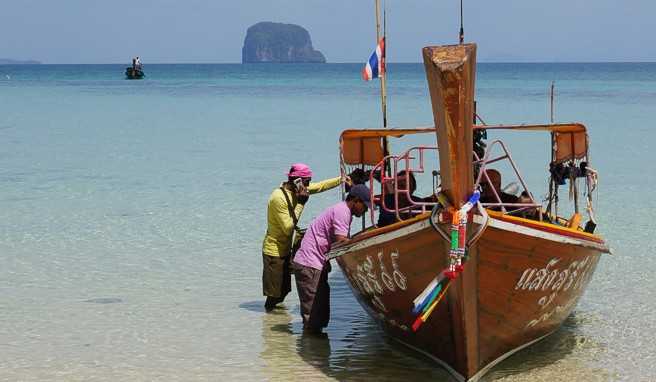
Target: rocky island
column 279, row 43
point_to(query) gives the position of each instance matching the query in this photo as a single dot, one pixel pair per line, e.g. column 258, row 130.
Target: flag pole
column 383, row 83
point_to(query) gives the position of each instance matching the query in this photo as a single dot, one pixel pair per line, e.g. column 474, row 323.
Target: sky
column 213, row 31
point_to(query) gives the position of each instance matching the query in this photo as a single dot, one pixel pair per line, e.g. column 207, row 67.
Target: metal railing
column 412, row 161
column 406, row 205
column 482, row 173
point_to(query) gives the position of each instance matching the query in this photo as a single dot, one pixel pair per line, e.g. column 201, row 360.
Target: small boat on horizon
column 134, row 73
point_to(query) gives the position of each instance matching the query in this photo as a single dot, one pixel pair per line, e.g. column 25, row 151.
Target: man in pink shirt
column 311, row 266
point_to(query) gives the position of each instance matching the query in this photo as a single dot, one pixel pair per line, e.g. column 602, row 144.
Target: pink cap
column 300, row 170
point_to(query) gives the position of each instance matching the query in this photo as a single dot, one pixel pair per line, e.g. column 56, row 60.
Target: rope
column 592, row 181
column 428, row 299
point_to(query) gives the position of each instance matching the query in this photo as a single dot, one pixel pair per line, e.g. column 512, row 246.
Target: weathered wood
column 451, row 73
column 526, row 286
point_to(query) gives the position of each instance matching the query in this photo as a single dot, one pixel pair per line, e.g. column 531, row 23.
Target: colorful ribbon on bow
column 427, row 300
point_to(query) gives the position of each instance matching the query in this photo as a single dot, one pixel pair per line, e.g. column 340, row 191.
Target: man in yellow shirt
column 285, row 206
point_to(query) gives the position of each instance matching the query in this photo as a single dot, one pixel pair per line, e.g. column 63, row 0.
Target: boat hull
column 134, row 74
column 527, row 281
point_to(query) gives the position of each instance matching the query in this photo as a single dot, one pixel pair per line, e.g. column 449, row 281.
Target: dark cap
column 362, row 192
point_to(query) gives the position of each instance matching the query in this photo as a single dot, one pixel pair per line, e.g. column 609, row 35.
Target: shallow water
column 132, row 214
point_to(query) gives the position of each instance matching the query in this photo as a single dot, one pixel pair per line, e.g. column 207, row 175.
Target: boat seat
column 575, row 221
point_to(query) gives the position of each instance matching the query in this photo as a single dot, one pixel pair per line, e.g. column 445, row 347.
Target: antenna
column 384, row 78
column 462, row 29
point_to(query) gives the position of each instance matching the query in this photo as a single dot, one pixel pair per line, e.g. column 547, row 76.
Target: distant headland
column 279, row 43
column 7, row 61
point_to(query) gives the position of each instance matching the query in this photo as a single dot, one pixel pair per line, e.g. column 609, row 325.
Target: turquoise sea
column 132, row 215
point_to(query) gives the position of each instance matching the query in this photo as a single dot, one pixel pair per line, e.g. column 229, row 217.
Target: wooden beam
column 451, row 72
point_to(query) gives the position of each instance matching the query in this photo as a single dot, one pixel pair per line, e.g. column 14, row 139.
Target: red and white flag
column 375, row 67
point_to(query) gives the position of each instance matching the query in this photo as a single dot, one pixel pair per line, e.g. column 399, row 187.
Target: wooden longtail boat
column 134, row 74
column 524, row 269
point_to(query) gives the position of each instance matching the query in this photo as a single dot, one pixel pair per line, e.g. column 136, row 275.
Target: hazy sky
column 102, row 31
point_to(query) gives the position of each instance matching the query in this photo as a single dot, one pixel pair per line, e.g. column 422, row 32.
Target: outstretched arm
column 324, row 185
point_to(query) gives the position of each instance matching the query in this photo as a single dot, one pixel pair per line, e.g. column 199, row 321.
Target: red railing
column 413, row 161
column 482, row 173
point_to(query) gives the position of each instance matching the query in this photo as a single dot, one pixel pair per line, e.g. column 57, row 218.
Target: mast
column 553, row 187
column 383, row 83
column 461, row 35
column 553, row 84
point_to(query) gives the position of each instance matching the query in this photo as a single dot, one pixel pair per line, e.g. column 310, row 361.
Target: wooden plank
column 511, row 313
column 451, row 72
column 526, row 285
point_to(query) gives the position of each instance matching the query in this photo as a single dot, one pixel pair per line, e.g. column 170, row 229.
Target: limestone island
column 268, row 42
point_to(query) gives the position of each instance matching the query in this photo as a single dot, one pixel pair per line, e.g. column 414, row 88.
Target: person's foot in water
column 271, row 302
column 314, row 332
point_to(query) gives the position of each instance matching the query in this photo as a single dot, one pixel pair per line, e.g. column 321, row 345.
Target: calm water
column 132, row 214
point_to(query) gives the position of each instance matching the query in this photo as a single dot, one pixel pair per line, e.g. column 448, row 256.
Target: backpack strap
column 297, row 232
column 290, row 208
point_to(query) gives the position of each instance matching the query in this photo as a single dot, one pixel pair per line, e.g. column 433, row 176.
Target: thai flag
column 375, row 67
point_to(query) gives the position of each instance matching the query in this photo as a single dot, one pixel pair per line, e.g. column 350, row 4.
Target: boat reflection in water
column 463, row 278
column 354, row 349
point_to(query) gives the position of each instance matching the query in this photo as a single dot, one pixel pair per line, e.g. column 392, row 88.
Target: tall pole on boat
column 383, row 80
column 383, row 83
column 553, row 84
column 553, row 187
column 462, row 28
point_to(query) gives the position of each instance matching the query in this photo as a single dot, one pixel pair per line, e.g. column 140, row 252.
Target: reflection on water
column 282, row 361
column 561, row 356
column 357, row 350
column 354, row 349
